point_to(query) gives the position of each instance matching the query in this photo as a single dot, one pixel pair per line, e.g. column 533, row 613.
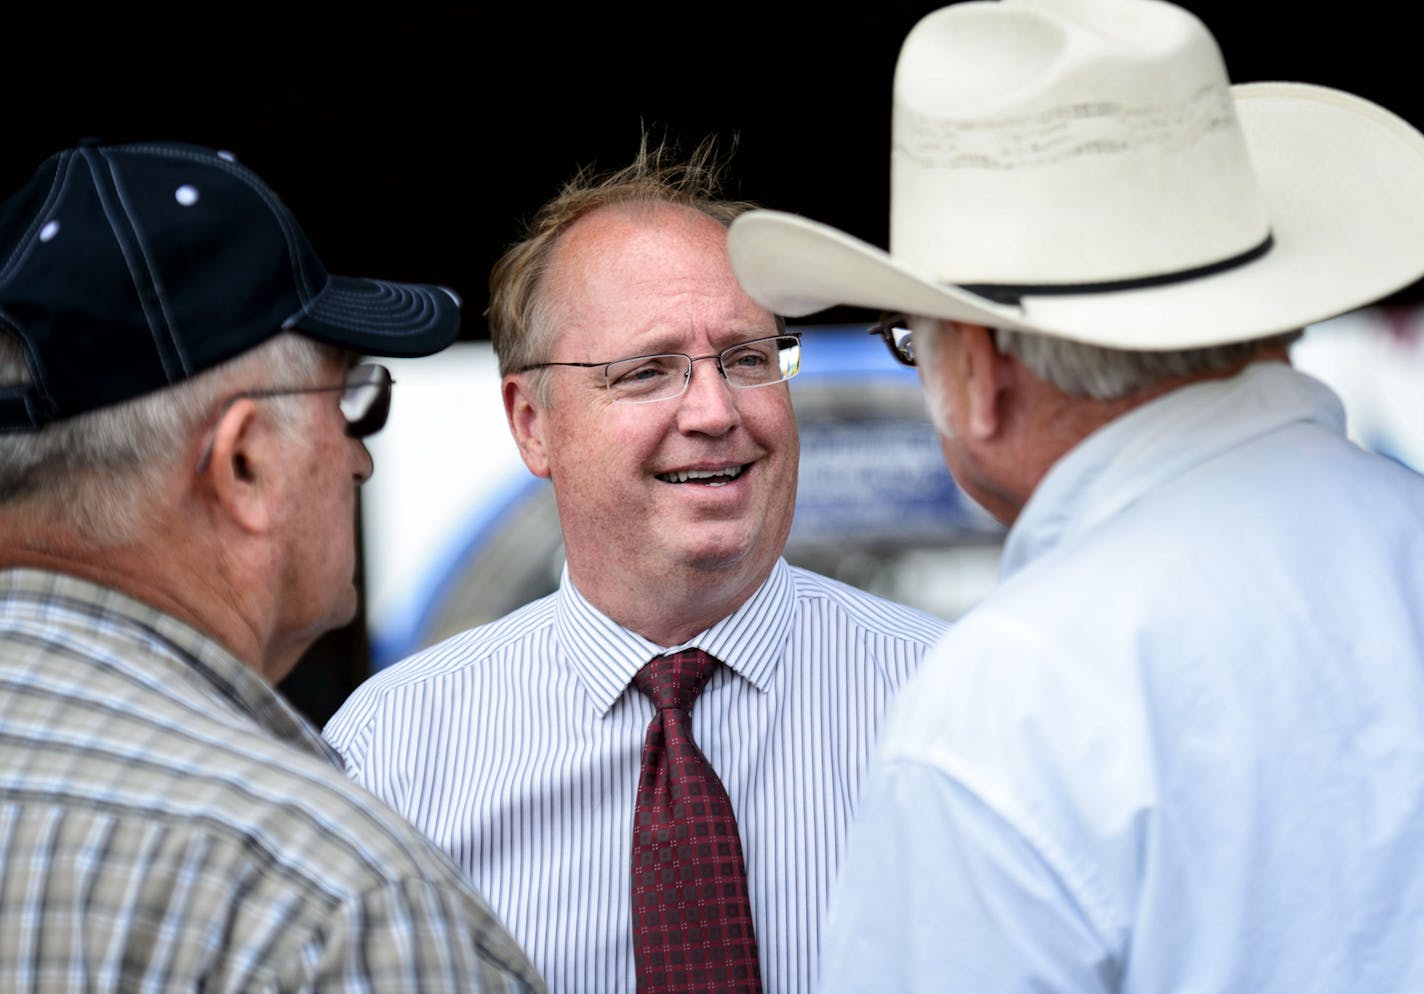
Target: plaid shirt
column 169, row 823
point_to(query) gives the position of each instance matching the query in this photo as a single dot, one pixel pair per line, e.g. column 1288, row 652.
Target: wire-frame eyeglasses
column 365, row 402
column 894, row 330
column 760, row 362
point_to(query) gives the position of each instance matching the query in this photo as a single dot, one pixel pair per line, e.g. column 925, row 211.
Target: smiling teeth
column 720, row 475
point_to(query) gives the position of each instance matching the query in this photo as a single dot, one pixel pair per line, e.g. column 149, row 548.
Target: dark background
column 411, row 142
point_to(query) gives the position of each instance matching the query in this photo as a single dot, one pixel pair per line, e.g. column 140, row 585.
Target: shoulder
column 347, row 871
column 865, row 613
column 352, row 841
column 455, row 660
column 219, row 786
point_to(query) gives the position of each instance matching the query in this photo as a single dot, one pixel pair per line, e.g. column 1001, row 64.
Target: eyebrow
column 719, row 344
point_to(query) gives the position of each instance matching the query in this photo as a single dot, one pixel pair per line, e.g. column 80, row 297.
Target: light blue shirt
column 517, row 745
column 1182, row 747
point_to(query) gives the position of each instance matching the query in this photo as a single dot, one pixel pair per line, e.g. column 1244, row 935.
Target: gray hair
column 1106, row 374
column 96, row 473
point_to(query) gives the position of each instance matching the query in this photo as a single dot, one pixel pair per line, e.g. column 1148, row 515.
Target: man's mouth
column 709, row 477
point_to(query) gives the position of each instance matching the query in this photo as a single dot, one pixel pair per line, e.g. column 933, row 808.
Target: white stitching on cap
column 390, row 300
column 148, row 260
column 229, row 164
column 27, row 244
column 63, row 176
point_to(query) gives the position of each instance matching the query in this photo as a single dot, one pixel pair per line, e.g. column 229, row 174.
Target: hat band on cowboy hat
column 1083, row 168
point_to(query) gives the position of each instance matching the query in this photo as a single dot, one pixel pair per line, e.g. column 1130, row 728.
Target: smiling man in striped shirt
column 644, row 383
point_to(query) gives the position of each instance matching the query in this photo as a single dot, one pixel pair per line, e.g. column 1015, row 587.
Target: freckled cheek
column 629, row 442
column 773, row 426
column 596, row 472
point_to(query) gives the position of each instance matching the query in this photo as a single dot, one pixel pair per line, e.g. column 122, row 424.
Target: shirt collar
column 1150, row 445
column 606, row 656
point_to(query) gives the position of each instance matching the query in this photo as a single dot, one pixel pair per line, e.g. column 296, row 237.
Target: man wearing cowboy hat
column 1180, row 747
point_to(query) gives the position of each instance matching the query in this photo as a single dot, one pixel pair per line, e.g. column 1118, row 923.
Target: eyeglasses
column 645, row 378
column 365, row 402
column 895, row 330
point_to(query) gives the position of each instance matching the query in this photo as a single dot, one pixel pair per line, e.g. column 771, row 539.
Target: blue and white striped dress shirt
column 516, row 746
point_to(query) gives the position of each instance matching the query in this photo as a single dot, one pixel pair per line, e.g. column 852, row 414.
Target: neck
column 1054, row 422
column 171, row 571
column 669, row 610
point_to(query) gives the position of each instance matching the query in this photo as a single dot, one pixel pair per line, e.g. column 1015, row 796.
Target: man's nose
column 365, row 465
column 709, row 404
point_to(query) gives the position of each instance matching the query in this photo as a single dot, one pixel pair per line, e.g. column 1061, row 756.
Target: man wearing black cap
column 180, row 409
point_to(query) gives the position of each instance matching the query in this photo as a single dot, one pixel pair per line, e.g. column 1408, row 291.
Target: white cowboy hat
column 1084, row 169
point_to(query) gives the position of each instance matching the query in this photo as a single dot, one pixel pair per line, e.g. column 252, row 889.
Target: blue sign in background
column 871, row 465
column 877, row 479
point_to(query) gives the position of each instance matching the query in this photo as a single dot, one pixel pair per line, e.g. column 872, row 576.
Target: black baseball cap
column 127, row 268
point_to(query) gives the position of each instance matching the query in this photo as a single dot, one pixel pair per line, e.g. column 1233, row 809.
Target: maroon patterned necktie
column 692, row 919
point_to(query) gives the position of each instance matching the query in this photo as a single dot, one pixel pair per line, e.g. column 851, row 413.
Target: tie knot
column 675, row 681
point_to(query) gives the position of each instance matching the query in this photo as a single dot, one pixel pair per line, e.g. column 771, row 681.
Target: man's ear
column 245, row 454
column 527, row 422
column 988, row 379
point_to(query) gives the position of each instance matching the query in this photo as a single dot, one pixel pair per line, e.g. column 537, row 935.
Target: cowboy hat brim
column 1344, row 185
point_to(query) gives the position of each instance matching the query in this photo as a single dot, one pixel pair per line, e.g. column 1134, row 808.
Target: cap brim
column 1344, row 184
column 378, row 317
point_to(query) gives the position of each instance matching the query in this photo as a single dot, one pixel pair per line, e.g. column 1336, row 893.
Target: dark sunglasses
column 894, row 329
